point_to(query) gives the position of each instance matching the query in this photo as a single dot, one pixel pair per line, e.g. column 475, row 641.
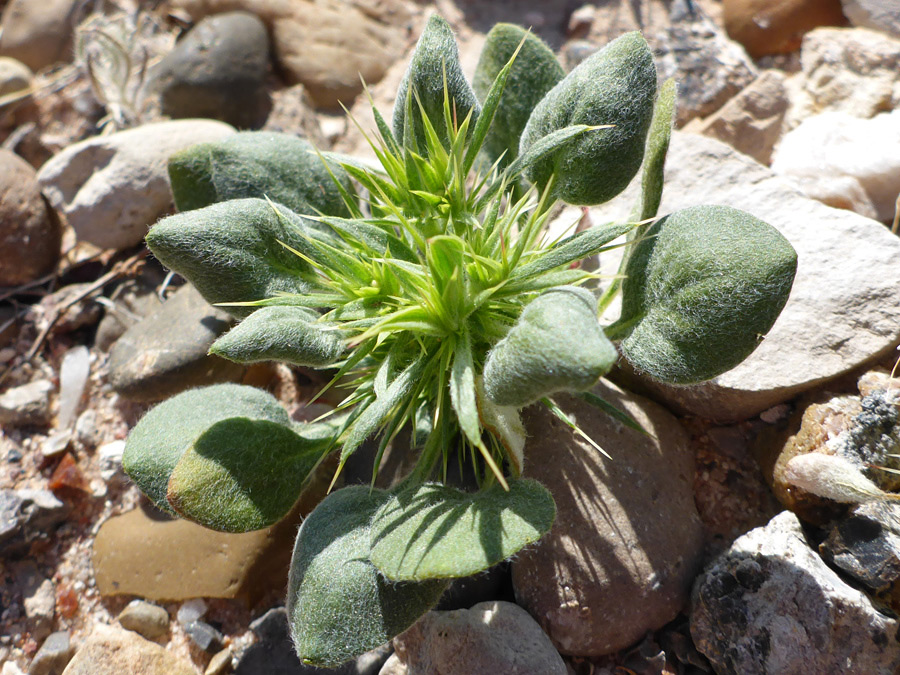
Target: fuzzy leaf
column 617, row 86
column 160, row 439
column 702, row 289
column 282, row 333
column 657, row 148
column 436, row 54
column 505, row 423
column 534, row 72
column 243, row 474
column 438, row 532
column 282, row 167
column 231, row 251
column 556, row 345
column 339, row 606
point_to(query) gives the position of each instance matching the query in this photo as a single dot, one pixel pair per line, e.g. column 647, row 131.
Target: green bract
column 432, row 293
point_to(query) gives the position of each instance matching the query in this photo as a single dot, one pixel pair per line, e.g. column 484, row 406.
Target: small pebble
column 204, row 636
column 26, row 405
column 191, row 610
column 40, row 606
column 53, row 656
column 145, row 618
column 220, row 664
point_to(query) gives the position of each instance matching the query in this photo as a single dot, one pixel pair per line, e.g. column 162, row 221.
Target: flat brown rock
column 114, row 651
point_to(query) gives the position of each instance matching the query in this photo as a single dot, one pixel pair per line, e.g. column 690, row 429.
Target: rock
column 26, row 515
column 865, row 545
column 109, row 457
column 115, row 651
column 292, row 113
column 326, row 45
column 770, row 605
column 751, row 121
column 166, row 352
column 53, row 656
column 127, row 304
column 777, row 26
column 149, row 620
column 192, row 610
column 625, row 547
column 836, row 145
column 112, row 188
column 708, row 67
column 875, row 14
column 204, row 636
column 30, row 233
column 274, row 652
column 844, row 308
column 855, row 71
column 39, row 34
column 26, row 405
column 217, row 71
column 133, row 555
column 220, row 664
column 14, row 76
column 39, row 601
column 492, row 637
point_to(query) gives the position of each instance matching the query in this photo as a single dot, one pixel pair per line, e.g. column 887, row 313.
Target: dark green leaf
column 164, row 434
column 556, row 345
column 437, row 532
column 243, row 474
column 436, row 55
column 617, row 86
column 262, row 164
column 702, row 289
column 339, row 606
column 232, row 251
column 282, row 333
column 571, row 249
column 534, row 72
column 655, row 154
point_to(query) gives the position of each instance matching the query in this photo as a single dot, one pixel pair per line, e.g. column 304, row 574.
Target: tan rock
column 30, row 233
column 14, row 76
column 39, row 34
column 115, row 651
column 152, row 556
column 850, row 70
column 327, row 45
column 627, row 541
column 777, row 26
column 751, row 121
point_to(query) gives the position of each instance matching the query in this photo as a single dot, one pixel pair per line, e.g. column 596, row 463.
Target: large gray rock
column 627, row 541
column 39, row 34
column 491, row 637
column 844, row 308
column 770, row 605
column 217, row 71
column 166, row 352
column 30, row 233
column 882, row 15
column 751, row 121
column 835, row 154
column 851, row 70
column 112, row 188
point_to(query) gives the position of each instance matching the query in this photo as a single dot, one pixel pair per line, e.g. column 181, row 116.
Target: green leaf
column 702, row 289
column 617, row 86
column 163, row 435
column 653, row 174
column 244, row 474
column 534, row 72
column 462, row 389
column 556, row 345
column 282, row 333
column 579, row 246
column 339, row 606
column 281, row 167
column 436, row 55
column 232, row 251
column 437, row 532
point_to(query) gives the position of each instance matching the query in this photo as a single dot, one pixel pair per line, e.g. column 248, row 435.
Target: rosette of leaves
column 431, row 293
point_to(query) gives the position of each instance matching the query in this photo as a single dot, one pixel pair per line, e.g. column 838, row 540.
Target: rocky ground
column 755, row 531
